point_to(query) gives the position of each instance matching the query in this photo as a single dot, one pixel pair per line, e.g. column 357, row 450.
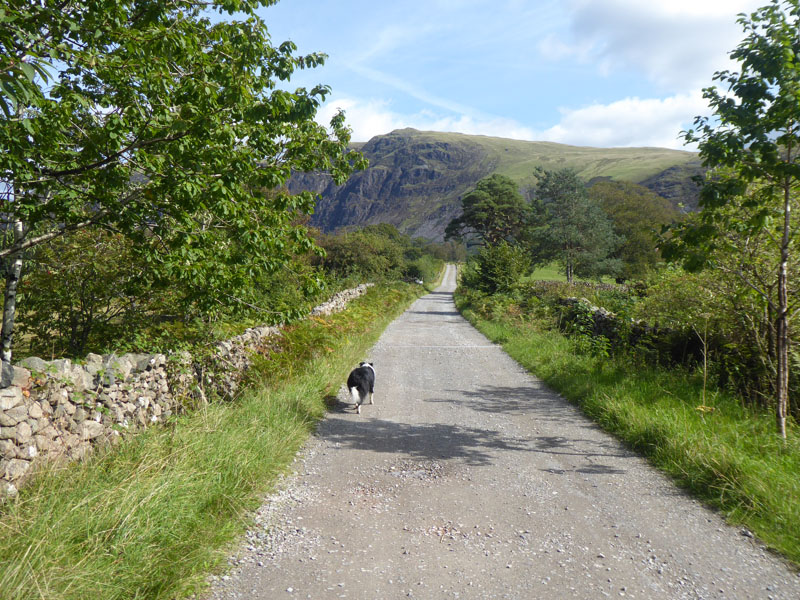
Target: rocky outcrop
column 414, row 182
column 61, row 409
column 677, row 184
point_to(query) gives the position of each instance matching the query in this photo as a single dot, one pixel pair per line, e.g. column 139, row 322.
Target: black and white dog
column 361, row 382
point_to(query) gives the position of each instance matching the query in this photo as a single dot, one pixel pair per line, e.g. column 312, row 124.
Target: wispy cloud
column 410, row 89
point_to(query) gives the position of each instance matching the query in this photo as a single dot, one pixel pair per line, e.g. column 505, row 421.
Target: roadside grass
column 722, row 452
column 153, row 516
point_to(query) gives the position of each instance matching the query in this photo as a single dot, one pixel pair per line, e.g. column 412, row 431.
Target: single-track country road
column 468, row 479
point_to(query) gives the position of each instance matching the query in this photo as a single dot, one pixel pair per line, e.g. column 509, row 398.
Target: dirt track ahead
column 469, row 479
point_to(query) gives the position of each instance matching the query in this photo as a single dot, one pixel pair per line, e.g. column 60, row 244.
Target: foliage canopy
column 637, row 215
column 166, row 124
column 570, row 227
column 494, row 211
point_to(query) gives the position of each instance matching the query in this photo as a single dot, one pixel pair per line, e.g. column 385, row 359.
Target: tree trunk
column 10, row 300
column 782, row 324
column 782, row 350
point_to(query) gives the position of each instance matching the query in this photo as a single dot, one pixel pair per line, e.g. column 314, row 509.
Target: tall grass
column 151, row 517
column 721, row 451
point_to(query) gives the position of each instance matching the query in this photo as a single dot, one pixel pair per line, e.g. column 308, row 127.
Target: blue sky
column 582, row 72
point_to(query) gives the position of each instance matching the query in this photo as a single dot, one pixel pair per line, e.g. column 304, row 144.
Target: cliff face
column 415, row 180
column 677, row 185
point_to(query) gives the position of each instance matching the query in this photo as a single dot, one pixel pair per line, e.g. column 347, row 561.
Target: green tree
column 752, row 144
column 735, row 299
column 570, row 228
column 494, row 211
column 638, row 216
column 156, row 120
column 497, row 268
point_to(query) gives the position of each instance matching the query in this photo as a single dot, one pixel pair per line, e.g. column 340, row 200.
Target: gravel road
column 468, row 478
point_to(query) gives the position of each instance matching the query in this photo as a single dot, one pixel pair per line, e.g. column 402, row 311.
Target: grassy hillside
column 517, row 159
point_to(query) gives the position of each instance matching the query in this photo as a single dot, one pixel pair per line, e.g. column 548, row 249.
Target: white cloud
column 375, row 117
column 629, row 122
column 366, row 119
column 677, row 44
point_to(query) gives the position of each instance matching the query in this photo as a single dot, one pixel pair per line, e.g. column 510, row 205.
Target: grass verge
column 722, row 452
column 150, row 518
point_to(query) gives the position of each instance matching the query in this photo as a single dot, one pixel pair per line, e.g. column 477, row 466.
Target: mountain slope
column 416, row 179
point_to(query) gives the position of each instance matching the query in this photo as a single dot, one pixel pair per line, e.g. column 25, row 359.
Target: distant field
column 548, row 273
column 553, row 272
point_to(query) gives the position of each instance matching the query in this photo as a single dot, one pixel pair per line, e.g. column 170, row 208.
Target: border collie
column 360, row 382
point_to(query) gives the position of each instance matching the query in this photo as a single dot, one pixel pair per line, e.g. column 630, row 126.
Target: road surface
column 468, row 479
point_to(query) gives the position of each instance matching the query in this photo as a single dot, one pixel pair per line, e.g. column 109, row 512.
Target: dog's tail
column 356, row 396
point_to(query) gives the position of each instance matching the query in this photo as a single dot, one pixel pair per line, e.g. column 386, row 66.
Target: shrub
column 376, row 253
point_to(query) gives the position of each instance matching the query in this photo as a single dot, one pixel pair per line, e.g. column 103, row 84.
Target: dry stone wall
column 664, row 345
column 60, row 409
column 338, row 302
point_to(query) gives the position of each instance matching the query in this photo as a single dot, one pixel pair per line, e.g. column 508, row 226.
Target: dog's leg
column 356, row 396
column 371, row 400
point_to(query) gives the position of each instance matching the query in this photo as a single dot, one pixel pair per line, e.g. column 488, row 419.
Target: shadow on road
column 436, row 441
column 509, row 400
column 540, row 404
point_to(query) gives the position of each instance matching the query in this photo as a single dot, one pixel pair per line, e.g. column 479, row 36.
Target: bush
column 734, row 323
column 376, row 253
column 92, row 291
column 425, row 268
column 362, row 254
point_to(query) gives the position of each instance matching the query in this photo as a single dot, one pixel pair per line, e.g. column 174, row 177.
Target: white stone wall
column 338, row 302
column 61, row 409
